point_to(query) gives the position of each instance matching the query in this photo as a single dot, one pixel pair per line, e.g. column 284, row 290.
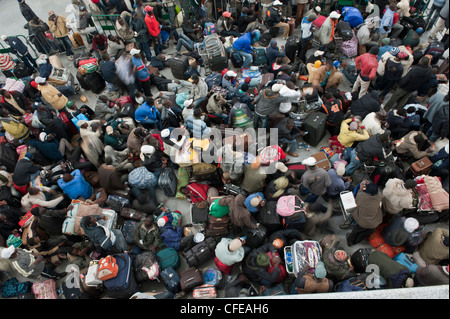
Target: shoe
column 292, row 154
column 70, row 57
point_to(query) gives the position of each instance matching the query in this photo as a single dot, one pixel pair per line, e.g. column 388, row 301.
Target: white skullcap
column 411, row 224
column 39, row 80
column 277, row 87
column 188, row 103
column 7, row 252
column 43, row 136
column 165, row 133
column 147, row 149
column 310, row 161
column 231, row 73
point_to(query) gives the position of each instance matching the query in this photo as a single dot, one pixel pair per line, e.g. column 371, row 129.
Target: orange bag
column 108, row 268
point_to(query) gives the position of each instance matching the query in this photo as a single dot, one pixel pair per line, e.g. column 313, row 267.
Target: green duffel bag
column 217, row 210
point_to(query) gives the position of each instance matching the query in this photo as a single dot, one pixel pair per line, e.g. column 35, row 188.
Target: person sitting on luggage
column 275, row 19
column 398, row 195
column 230, row 82
column 288, row 134
column 103, row 109
column 25, row 172
column 434, row 248
column 243, row 46
column 196, row 125
column 307, row 283
column 399, row 232
column 217, row 106
column 106, row 241
column 335, row 115
column 256, row 264
column 315, row 180
column 229, row 251
column 327, row 30
column 148, row 114
column 42, row 196
column 109, row 178
column 326, row 76
column 199, row 90
column 226, row 25
column 74, row 185
column 412, row 146
column 273, row 52
column 147, row 236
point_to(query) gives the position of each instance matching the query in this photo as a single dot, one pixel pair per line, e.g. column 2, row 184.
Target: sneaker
column 70, row 57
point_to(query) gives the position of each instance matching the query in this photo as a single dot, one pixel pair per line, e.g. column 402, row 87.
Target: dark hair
column 67, row 178
column 401, row 112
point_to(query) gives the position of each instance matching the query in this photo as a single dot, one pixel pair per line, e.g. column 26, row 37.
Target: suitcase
column 127, row 110
column 131, row 213
column 168, row 182
column 403, row 259
column 168, row 257
column 200, row 253
column 117, row 203
column 291, row 47
column 171, row 280
column 91, row 278
column 214, row 55
column 310, row 93
column 127, row 230
column 217, row 226
column 124, row 285
column 421, row 167
column 55, row 61
column 359, row 259
column 213, row 79
column 22, row 71
column 95, row 82
column 322, row 160
column 8, row 157
column 265, row 39
column 436, row 50
column 305, row 255
column 344, row 30
column 204, row 292
column 260, row 58
column 256, row 237
column 204, row 172
column 191, row 278
column 269, row 218
column 314, row 124
column 178, row 65
column 199, row 215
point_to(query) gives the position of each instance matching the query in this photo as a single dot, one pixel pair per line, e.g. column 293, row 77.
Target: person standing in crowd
column 58, row 26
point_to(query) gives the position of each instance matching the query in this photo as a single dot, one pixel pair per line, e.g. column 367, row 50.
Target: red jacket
column 152, row 25
column 367, row 64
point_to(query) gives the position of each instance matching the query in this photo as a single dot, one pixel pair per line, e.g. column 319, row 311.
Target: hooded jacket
column 268, row 102
column 432, row 249
column 24, row 168
column 408, row 146
column 347, row 137
column 368, row 213
column 371, row 148
column 244, row 43
column 367, row 64
column 396, row 197
column 273, row 52
column 255, row 272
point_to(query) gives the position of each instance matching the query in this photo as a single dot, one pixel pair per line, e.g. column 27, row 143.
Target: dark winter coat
column 367, row 104
column 416, row 77
column 371, row 148
column 23, row 170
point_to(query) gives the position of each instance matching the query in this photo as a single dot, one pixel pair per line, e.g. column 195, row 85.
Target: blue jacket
column 145, row 112
column 244, row 43
column 76, row 187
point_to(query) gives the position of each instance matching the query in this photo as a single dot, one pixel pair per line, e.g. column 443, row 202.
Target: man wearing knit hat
column 399, row 232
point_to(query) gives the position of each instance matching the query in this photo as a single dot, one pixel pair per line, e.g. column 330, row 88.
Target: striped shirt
column 6, row 62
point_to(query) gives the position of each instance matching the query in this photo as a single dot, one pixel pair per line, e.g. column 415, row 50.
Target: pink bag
column 350, row 47
column 289, row 205
column 45, row 289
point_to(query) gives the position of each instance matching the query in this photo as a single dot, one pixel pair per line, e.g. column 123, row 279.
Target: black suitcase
column 291, row 47
column 199, row 215
column 265, row 39
column 168, row 182
column 22, row 71
column 269, row 217
column 236, row 60
column 178, row 65
column 261, row 58
column 344, row 30
column 314, row 124
column 201, row 253
column 127, row 110
column 8, row 157
column 171, row 280
column 256, row 237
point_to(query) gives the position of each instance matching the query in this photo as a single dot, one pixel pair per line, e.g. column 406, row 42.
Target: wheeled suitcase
column 199, row 215
column 269, row 217
column 124, row 285
column 314, row 124
column 201, row 253
column 131, row 213
column 406, row 261
column 191, row 278
column 305, row 255
column 291, row 47
column 178, row 65
column 322, row 160
column 171, row 280
column 22, row 71
column 421, row 167
column 168, row 182
column 215, row 55
column 8, row 157
column 117, row 203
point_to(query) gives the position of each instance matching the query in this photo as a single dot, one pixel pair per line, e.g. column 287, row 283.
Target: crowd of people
column 146, row 137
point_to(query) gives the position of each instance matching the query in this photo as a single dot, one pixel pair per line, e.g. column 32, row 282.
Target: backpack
column 209, row 29
column 289, row 205
column 108, row 268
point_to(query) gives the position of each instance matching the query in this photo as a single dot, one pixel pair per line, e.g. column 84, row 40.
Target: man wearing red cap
column 154, row 29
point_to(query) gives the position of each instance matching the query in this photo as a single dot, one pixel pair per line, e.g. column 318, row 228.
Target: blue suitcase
column 171, row 280
column 124, row 285
column 403, row 259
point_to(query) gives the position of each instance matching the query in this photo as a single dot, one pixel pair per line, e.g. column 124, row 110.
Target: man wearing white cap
column 399, row 232
column 315, row 180
column 326, row 32
column 230, row 82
